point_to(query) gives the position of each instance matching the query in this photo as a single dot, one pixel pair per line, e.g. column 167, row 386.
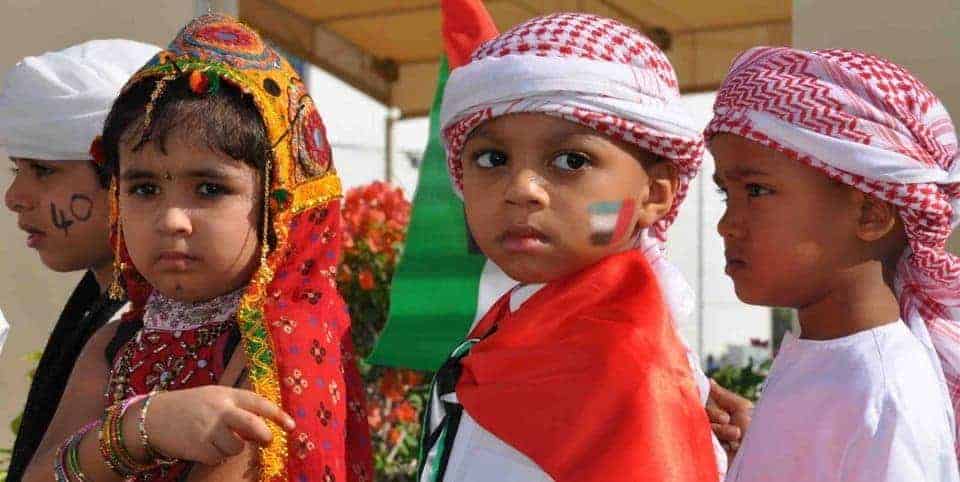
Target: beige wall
column 31, row 296
column 922, row 35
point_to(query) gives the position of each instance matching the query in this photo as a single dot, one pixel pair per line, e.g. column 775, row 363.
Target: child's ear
column 877, row 218
column 663, row 182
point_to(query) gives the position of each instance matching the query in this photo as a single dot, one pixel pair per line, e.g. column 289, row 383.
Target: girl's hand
column 729, row 417
column 209, row 424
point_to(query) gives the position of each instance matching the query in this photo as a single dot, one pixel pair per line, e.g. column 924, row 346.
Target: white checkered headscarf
column 586, row 69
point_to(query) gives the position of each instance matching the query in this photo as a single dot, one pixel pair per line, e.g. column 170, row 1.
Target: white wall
column 724, row 320
column 922, row 35
column 356, row 127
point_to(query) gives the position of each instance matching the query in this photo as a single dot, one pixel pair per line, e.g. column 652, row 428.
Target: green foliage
column 745, row 381
column 4, row 461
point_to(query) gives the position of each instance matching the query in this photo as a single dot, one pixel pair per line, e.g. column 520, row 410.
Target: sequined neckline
column 167, row 314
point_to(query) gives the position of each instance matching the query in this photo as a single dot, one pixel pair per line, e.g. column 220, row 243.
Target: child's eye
column 41, row 171
column 571, row 161
column 490, row 159
column 144, row 190
column 209, row 189
column 756, row 190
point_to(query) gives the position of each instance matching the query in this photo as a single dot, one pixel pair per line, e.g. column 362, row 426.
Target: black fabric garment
column 85, row 312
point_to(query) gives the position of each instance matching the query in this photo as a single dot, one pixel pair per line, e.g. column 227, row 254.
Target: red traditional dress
column 290, row 320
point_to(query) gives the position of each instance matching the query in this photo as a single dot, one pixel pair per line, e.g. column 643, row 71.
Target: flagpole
column 388, row 145
column 700, row 264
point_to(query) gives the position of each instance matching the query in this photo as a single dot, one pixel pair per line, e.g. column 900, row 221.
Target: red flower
column 394, row 436
column 404, row 412
column 375, row 242
column 376, row 216
column 344, row 273
column 366, row 280
column 411, row 378
column 374, row 418
column 391, row 386
column 394, row 225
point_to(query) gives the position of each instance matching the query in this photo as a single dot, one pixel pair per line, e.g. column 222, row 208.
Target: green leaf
column 15, row 423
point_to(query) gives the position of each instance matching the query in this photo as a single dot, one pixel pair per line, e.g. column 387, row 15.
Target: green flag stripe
column 434, row 294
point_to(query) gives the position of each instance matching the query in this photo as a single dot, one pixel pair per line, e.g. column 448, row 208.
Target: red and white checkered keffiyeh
column 599, row 73
column 868, row 123
column 591, row 70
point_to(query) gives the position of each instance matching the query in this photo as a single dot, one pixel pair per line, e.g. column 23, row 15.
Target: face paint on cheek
column 81, row 209
column 610, row 221
column 60, row 219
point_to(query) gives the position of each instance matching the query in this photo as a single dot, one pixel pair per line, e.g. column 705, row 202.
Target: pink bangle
column 66, row 465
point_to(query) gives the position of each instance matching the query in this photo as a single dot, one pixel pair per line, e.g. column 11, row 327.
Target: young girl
column 227, row 237
column 578, row 374
column 843, row 184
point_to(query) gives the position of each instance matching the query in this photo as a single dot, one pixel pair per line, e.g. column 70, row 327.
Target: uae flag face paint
column 610, row 221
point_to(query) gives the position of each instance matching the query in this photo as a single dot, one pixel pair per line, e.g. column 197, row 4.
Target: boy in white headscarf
column 842, row 181
column 567, row 144
column 52, row 107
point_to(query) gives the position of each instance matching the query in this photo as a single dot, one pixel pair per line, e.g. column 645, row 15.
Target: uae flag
column 442, row 285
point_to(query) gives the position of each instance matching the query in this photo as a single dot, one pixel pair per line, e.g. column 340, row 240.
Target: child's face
column 529, row 181
column 190, row 218
column 64, row 210
column 787, row 230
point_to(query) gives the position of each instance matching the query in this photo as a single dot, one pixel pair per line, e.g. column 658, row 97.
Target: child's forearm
column 89, row 459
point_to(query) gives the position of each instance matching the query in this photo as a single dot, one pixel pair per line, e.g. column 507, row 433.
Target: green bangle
column 73, row 459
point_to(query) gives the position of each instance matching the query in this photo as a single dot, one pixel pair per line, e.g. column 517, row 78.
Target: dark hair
column 226, row 120
column 103, row 174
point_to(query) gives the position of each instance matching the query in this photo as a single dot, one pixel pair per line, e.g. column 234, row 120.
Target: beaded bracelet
column 73, row 452
column 67, row 461
column 112, row 449
column 59, row 474
column 154, row 454
column 107, row 450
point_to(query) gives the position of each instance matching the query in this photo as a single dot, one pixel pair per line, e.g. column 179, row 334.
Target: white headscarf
column 53, row 105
